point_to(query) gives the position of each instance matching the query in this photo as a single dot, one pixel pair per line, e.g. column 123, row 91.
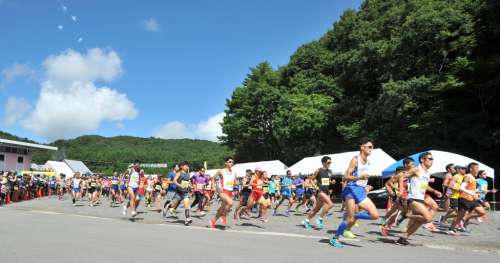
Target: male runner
column 227, row 180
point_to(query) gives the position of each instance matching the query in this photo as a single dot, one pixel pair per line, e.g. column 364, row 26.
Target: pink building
column 15, row 155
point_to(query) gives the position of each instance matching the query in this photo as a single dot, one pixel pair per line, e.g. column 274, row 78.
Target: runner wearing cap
column 257, row 182
column 227, row 180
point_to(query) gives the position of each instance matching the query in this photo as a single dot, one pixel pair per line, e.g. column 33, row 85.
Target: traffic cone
column 25, row 196
column 388, row 205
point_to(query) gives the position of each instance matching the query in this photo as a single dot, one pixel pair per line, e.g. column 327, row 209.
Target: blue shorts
column 358, row 193
column 114, row 188
column 76, row 190
column 286, row 193
column 123, row 187
column 299, row 193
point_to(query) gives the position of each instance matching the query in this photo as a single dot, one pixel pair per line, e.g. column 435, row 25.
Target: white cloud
column 151, row 25
column 15, row 109
column 208, row 129
column 70, row 103
column 15, row 71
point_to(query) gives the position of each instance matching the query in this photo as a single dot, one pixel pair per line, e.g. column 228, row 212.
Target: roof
column 78, row 166
column 274, row 167
column 60, row 168
column 27, row 144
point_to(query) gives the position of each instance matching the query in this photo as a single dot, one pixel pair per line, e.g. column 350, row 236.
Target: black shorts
column 245, row 195
column 416, row 200
column 467, row 205
column 453, row 203
column 92, row 190
column 266, row 196
column 309, row 193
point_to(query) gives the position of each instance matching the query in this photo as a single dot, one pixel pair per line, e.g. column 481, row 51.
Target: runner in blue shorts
column 354, row 193
column 286, row 193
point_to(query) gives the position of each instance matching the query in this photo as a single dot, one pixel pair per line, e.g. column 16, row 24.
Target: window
column 20, row 159
column 2, row 157
column 2, row 162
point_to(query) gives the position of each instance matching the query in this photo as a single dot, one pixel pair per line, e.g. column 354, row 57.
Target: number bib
column 325, row 181
column 200, row 186
column 185, row 184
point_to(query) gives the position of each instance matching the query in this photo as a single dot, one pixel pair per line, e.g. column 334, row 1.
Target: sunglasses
column 230, row 161
column 431, row 159
column 368, row 146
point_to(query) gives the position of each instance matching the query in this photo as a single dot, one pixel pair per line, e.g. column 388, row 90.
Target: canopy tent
column 78, row 166
column 441, row 159
column 340, row 161
column 211, row 172
column 60, row 168
column 275, row 167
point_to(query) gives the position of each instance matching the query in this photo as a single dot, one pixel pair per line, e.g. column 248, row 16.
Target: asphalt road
column 49, row 230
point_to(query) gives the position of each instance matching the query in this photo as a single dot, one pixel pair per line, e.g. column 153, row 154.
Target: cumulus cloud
column 15, row 109
column 208, row 129
column 70, row 103
column 151, row 25
column 15, row 71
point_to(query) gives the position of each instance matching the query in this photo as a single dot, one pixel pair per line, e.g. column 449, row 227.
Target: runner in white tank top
column 227, row 180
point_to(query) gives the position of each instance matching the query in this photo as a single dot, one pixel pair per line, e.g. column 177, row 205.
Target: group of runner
column 411, row 196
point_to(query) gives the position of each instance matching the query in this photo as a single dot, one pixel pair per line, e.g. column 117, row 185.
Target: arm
column 350, row 170
column 431, row 190
column 401, row 180
column 175, row 180
column 388, row 186
column 464, row 184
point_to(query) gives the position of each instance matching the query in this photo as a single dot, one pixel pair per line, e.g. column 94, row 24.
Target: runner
column 157, row 192
column 182, row 183
column 246, row 191
column 299, row 192
column 170, row 191
column 123, row 187
column 115, row 190
column 393, row 187
column 468, row 202
column 134, row 174
column 199, row 181
column 285, row 193
column 323, row 176
column 273, row 190
column 454, row 187
column 448, row 178
column 149, row 191
column 77, row 184
column 418, row 186
column 257, row 183
column 93, row 190
column 354, row 193
column 482, row 187
column 227, row 179
column 61, row 186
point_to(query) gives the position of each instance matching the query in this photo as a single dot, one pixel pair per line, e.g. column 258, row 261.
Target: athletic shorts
column 358, row 193
column 453, row 203
column 179, row 196
column 123, row 188
column 467, row 205
column 114, row 188
column 92, row 190
column 170, row 195
column 227, row 192
column 267, row 196
column 76, row 190
column 416, row 200
column 134, row 190
column 299, row 193
column 309, row 193
column 245, row 195
column 286, row 194
column 256, row 195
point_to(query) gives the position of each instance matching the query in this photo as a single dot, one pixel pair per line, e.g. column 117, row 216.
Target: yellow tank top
column 457, row 179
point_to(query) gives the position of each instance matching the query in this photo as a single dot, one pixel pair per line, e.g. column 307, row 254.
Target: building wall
column 10, row 161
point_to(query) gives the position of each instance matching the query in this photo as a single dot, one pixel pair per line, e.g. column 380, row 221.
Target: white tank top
column 227, row 179
column 418, row 184
column 76, row 183
column 134, row 179
column 362, row 168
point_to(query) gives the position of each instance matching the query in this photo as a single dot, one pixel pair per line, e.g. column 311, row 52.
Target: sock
column 362, row 216
column 74, row 200
column 186, row 212
column 340, row 230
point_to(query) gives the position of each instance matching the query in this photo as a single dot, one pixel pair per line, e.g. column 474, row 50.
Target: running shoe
column 348, row 234
column 452, row 232
column 384, row 231
column 356, row 224
column 482, row 219
column 124, row 211
column 264, row 220
column 202, row 213
column 211, row 223
column 171, row 212
column 274, row 212
column 306, row 224
column 402, row 241
column 134, row 213
column 287, row 213
column 431, row 227
column 334, row 242
column 319, row 223
column 188, row 221
column 224, row 220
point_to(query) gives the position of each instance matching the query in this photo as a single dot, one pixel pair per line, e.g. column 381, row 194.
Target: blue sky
column 141, row 68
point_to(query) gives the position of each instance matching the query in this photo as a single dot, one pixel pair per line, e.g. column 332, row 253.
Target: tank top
column 183, row 180
column 323, row 178
column 114, row 181
column 418, row 184
column 257, row 184
column 471, row 186
column 457, row 181
column 76, row 183
column 227, row 180
column 133, row 181
column 361, row 168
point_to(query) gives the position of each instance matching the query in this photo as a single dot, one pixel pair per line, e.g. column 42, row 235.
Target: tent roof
column 60, row 168
column 78, row 166
column 275, row 167
column 340, row 161
column 441, row 159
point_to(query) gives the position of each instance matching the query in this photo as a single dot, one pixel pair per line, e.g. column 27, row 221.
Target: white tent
column 378, row 159
column 60, row 168
column 275, row 167
column 78, row 166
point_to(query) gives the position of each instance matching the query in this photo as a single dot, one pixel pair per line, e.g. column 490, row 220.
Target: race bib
column 423, row 187
column 93, row 184
column 265, row 189
column 185, row 184
column 199, row 186
column 208, row 187
column 228, row 183
column 325, row 181
column 158, row 187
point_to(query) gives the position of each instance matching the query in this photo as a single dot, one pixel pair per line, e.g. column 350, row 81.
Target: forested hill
column 114, row 153
column 412, row 75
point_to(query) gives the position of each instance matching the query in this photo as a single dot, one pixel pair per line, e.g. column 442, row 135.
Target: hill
column 105, row 154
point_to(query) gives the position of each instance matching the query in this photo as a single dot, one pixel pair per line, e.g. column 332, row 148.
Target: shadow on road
column 327, row 241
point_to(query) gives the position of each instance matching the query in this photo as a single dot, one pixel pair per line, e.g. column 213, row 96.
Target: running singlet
column 418, row 184
column 133, row 181
column 360, row 169
column 457, row 180
column 471, row 186
column 76, row 183
column 482, row 187
column 227, row 180
column 184, row 181
column 323, row 179
column 114, row 181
